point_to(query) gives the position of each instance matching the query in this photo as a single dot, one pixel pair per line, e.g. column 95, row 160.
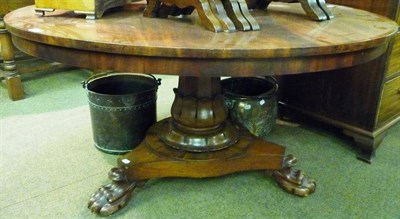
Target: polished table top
column 288, row 42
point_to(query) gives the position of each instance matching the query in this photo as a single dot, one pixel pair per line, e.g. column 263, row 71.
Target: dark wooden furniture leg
column 367, row 144
column 10, row 74
column 315, row 9
column 197, row 141
column 216, row 15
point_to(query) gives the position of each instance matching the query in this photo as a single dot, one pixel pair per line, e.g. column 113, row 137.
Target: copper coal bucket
column 252, row 103
column 122, row 108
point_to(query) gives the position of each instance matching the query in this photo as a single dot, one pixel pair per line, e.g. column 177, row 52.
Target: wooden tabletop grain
column 288, row 42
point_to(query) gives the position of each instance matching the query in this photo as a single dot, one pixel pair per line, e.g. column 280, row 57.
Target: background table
column 198, row 140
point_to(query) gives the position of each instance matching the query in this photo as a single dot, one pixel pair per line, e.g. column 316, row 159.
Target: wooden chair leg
column 13, row 80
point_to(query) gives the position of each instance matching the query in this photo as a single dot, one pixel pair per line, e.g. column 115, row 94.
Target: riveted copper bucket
column 122, row 108
column 252, row 103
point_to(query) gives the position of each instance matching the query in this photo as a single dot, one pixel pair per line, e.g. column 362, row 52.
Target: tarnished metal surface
column 252, row 103
column 122, row 108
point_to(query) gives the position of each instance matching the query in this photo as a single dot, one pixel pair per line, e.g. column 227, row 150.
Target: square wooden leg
column 14, row 87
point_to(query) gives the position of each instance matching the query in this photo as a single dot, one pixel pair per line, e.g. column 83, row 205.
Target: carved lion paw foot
column 112, row 197
column 293, row 180
column 107, row 200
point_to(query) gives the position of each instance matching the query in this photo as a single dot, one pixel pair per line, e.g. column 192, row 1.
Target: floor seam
column 53, row 190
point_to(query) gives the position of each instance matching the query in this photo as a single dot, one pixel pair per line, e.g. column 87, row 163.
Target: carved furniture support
column 216, row 15
column 228, row 15
column 196, row 142
column 315, row 9
column 293, row 180
column 9, row 71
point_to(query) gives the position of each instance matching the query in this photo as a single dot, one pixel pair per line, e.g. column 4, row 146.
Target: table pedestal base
column 198, row 141
column 154, row 159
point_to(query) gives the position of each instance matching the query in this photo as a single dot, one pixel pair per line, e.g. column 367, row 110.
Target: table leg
column 197, row 142
column 315, row 9
column 13, row 80
column 216, row 15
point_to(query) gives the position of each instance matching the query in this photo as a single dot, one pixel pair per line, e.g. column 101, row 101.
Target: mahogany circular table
column 198, row 140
